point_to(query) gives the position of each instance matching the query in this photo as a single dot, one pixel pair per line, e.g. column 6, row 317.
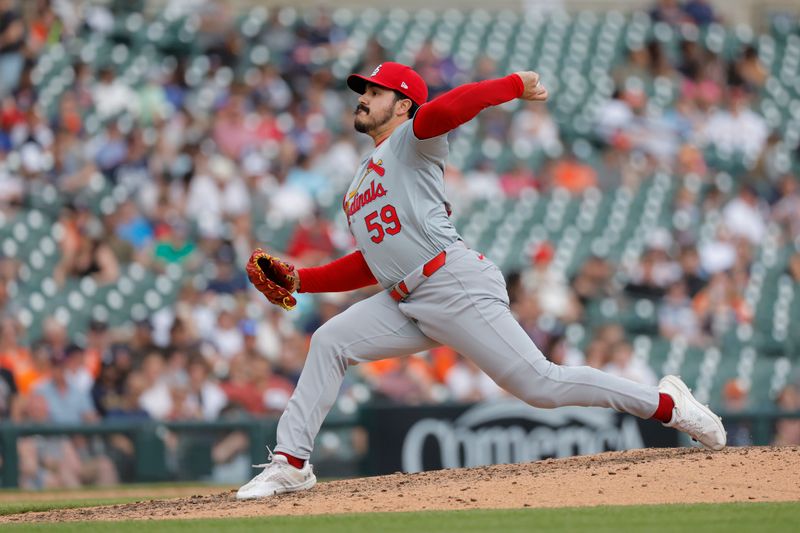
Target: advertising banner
column 415, row 439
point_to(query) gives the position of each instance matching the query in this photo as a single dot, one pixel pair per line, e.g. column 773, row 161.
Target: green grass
column 124, row 487
column 7, row 508
column 695, row 518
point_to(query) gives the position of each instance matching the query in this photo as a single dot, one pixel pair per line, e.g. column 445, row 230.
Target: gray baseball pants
column 464, row 305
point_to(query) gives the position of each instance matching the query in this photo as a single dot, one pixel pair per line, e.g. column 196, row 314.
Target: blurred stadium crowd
column 143, row 158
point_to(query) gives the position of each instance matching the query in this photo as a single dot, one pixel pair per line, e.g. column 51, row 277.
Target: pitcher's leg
column 485, row 331
column 369, row 330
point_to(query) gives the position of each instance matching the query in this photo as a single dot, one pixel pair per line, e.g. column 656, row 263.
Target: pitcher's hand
column 534, row 90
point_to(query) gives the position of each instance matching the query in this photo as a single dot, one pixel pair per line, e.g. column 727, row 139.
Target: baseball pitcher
column 437, row 290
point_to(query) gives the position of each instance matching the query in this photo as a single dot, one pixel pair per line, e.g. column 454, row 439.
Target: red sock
column 294, row 461
column 664, row 411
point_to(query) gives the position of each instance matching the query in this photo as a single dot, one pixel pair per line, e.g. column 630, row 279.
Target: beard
column 365, row 124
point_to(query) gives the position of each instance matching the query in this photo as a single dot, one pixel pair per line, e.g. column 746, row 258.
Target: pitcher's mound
column 652, row 476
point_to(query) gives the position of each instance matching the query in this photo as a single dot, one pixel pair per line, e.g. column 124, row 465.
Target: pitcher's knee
column 537, row 398
column 534, row 387
column 544, row 402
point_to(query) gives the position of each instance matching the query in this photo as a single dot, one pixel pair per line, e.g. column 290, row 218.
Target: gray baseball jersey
column 395, row 206
column 396, row 211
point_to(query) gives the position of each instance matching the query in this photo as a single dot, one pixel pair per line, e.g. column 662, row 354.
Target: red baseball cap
column 395, row 76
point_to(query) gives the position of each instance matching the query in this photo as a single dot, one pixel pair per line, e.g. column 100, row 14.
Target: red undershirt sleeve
column 348, row 273
column 460, row 105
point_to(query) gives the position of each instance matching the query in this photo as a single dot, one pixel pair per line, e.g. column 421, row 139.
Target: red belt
column 400, row 291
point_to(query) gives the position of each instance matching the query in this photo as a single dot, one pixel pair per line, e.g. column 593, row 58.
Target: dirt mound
column 650, row 476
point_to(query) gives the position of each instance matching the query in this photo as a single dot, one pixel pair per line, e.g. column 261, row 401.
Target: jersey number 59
column 391, row 224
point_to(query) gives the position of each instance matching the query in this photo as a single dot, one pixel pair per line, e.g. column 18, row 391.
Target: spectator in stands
column 227, row 279
column 661, row 66
column 89, row 255
column 12, row 40
column 274, row 390
column 132, row 226
column 240, row 388
column 598, row 352
column 227, row 336
column 700, row 87
column 205, row 397
column 156, row 399
column 121, row 249
column 701, row 12
column 550, row 287
column 67, row 402
column 108, row 389
column 94, row 258
column 744, row 215
column 533, row 127
column 176, row 246
column 329, row 305
column 676, row 316
column 749, row 68
column 613, row 116
column 561, row 352
column 720, row 306
column 669, row 11
column 32, row 368
column 623, row 363
column 139, row 344
column 718, row 254
column 736, row 128
column 693, row 275
column 467, row 383
column 517, row 180
column 305, row 176
column 572, row 174
column 482, row 181
column 406, row 380
column 525, row 308
column 112, row 150
column 215, row 193
column 111, row 96
column 128, row 406
column 686, row 215
column 656, row 270
column 786, row 210
column 76, row 369
column 592, row 280
column 98, row 347
column 312, row 241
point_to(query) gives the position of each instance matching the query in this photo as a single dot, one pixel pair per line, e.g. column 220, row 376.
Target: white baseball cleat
column 277, row 477
column 692, row 417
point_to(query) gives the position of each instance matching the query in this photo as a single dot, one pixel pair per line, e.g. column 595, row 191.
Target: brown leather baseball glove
column 274, row 278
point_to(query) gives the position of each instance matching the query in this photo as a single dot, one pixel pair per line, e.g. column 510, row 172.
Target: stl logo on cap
column 394, row 76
